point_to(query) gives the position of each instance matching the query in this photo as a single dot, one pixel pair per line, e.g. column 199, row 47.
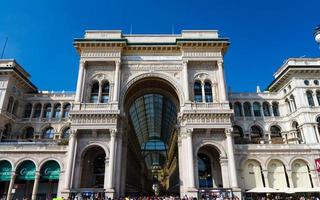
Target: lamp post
column 317, row 35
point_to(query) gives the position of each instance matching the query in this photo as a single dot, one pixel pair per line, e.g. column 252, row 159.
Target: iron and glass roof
column 153, row 117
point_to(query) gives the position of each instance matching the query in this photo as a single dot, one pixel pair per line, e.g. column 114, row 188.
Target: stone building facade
column 151, row 114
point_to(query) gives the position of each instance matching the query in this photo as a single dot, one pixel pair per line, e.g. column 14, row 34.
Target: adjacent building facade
column 151, row 114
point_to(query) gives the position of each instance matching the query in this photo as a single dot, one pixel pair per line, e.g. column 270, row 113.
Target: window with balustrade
column 237, row 109
column 94, row 97
column 266, row 109
column 47, row 111
column 197, row 91
column 57, row 111
column 275, row 109
column 247, row 109
column 257, row 109
column 10, row 104
column 310, row 98
column 27, row 110
column 208, row 91
column 105, row 92
column 37, row 110
column 66, row 110
column 48, row 133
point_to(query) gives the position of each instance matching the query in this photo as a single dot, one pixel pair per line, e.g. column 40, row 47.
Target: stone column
column 203, row 92
column 41, row 113
column 231, row 160
column 116, row 81
column 100, row 92
column 224, row 169
column 110, row 183
column 221, row 83
column 214, row 98
column 32, row 112
column 190, row 158
column 119, row 165
column 317, row 132
column 12, row 180
column 70, row 161
column 35, row 186
column 80, row 80
column 185, row 79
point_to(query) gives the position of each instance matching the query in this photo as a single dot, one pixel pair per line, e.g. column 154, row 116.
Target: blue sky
column 263, row 33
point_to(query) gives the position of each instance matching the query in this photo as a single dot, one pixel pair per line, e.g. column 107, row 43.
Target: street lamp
column 317, row 34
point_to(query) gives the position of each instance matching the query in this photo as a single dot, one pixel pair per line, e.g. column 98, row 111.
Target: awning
column 315, row 189
column 50, row 171
column 26, row 171
column 5, row 171
column 263, row 190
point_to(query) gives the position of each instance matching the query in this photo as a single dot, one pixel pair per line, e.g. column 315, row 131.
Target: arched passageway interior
column 5, row 175
column 25, row 179
column 93, row 168
column 49, row 180
column 152, row 152
column 209, row 169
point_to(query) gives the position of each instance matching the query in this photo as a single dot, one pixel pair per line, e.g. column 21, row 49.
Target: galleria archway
column 151, row 106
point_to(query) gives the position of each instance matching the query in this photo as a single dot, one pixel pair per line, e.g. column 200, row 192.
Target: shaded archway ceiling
column 153, row 117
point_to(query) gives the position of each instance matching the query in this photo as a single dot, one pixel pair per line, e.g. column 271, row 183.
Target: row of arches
column 27, row 178
column 29, row 133
column 276, row 175
column 47, row 110
column 249, row 109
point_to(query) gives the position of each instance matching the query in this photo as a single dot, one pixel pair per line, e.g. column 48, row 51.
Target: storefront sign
column 318, row 164
column 50, row 171
column 5, row 171
column 26, row 171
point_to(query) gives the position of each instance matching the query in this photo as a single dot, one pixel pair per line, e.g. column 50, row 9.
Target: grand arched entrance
column 151, row 106
column 93, row 172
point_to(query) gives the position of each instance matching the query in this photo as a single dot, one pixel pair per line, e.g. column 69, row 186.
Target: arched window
column 301, row 175
column 10, row 104
column 257, row 109
column 27, row 110
column 275, row 109
column 237, row 109
column 197, row 92
column 6, row 132
column 288, row 105
column 48, row 133
column 66, row 133
column 318, row 97
column 310, row 98
column 247, row 109
column 28, row 132
column 256, row 133
column 47, row 111
column 293, row 103
column 237, row 134
column 57, row 111
column 37, row 110
column 277, row 175
column 266, row 109
column 15, row 107
column 66, row 110
column 295, row 127
column 276, row 137
column 94, row 92
column 105, row 92
column 208, row 92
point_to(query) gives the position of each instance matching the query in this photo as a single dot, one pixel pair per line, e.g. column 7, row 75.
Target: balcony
column 95, row 108
column 41, row 145
column 207, row 107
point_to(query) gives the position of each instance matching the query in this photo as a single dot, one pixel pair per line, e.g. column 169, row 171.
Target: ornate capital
column 113, row 132
column 228, row 131
column 73, row 133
